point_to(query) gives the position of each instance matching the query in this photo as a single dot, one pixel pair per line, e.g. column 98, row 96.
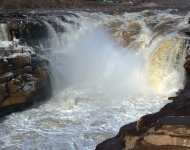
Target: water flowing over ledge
column 107, row 70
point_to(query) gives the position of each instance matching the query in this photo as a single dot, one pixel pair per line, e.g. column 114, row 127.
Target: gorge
column 107, row 68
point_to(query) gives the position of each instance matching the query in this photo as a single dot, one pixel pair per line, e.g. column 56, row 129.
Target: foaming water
column 103, row 77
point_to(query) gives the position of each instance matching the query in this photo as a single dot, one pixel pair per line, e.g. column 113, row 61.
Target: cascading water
column 107, row 71
column 5, row 38
column 4, row 32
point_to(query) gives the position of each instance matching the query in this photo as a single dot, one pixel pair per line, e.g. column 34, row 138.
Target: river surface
column 108, row 70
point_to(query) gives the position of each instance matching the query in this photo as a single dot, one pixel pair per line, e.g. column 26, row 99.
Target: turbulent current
column 107, row 71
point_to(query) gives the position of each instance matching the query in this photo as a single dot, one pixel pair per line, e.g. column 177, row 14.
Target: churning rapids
column 108, row 70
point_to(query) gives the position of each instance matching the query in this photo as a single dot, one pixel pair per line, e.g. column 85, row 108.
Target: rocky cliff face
column 23, row 80
column 24, row 76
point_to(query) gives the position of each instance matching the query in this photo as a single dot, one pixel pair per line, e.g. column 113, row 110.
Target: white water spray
column 100, row 85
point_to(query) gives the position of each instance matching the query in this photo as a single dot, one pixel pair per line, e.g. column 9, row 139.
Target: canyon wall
column 25, row 76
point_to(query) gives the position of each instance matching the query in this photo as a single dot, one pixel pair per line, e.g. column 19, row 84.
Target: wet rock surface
column 25, row 75
column 27, row 81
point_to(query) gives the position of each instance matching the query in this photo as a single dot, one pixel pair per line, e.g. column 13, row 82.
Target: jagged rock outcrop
column 168, row 133
column 28, row 80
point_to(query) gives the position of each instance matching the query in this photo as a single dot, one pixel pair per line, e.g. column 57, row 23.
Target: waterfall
column 4, row 32
column 53, row 40
column 164, row 67
column 78, row 56
column 107, row 71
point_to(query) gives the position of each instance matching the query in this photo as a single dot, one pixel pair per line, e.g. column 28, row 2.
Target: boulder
column 158, row 140
column 16, row 81
column 26, row 76
column 11, row 87
column 31, row 79
column 15, row 98
column 133, row 137
column 15, row 26
column 174, row 126
column 187, row 58
column 168, row 133
column 19, row 61
column 24, row 83
column 21, row 71
column 6, row 77
column 143, row 145
column 187, row 65
column 3, row 92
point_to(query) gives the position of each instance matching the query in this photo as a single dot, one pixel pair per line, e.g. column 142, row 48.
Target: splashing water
column 107, row 71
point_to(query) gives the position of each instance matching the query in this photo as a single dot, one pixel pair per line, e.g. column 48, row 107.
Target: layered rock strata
column 23, row 80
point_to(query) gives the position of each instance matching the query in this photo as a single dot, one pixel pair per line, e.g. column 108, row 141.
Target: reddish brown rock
column 168, row 133
column 159, row 139
column 187, row 65
column 187, row 58
column 6, row 77
column 16, row 81
column 26, row 76
column 11, row 87
column 149, row 119
column 133, row 137
column 32, row 79
column 19, row 61
column 15, row 98
column 24, row 89
column 3, row 92
column 142, row 145
column 175, row 126
column 15, row 26
column 23, row 70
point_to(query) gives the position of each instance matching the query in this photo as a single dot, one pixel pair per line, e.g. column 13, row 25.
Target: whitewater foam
column 98, row 84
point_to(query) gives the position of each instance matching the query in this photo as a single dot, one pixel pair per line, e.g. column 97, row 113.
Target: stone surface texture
column 28, row 80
